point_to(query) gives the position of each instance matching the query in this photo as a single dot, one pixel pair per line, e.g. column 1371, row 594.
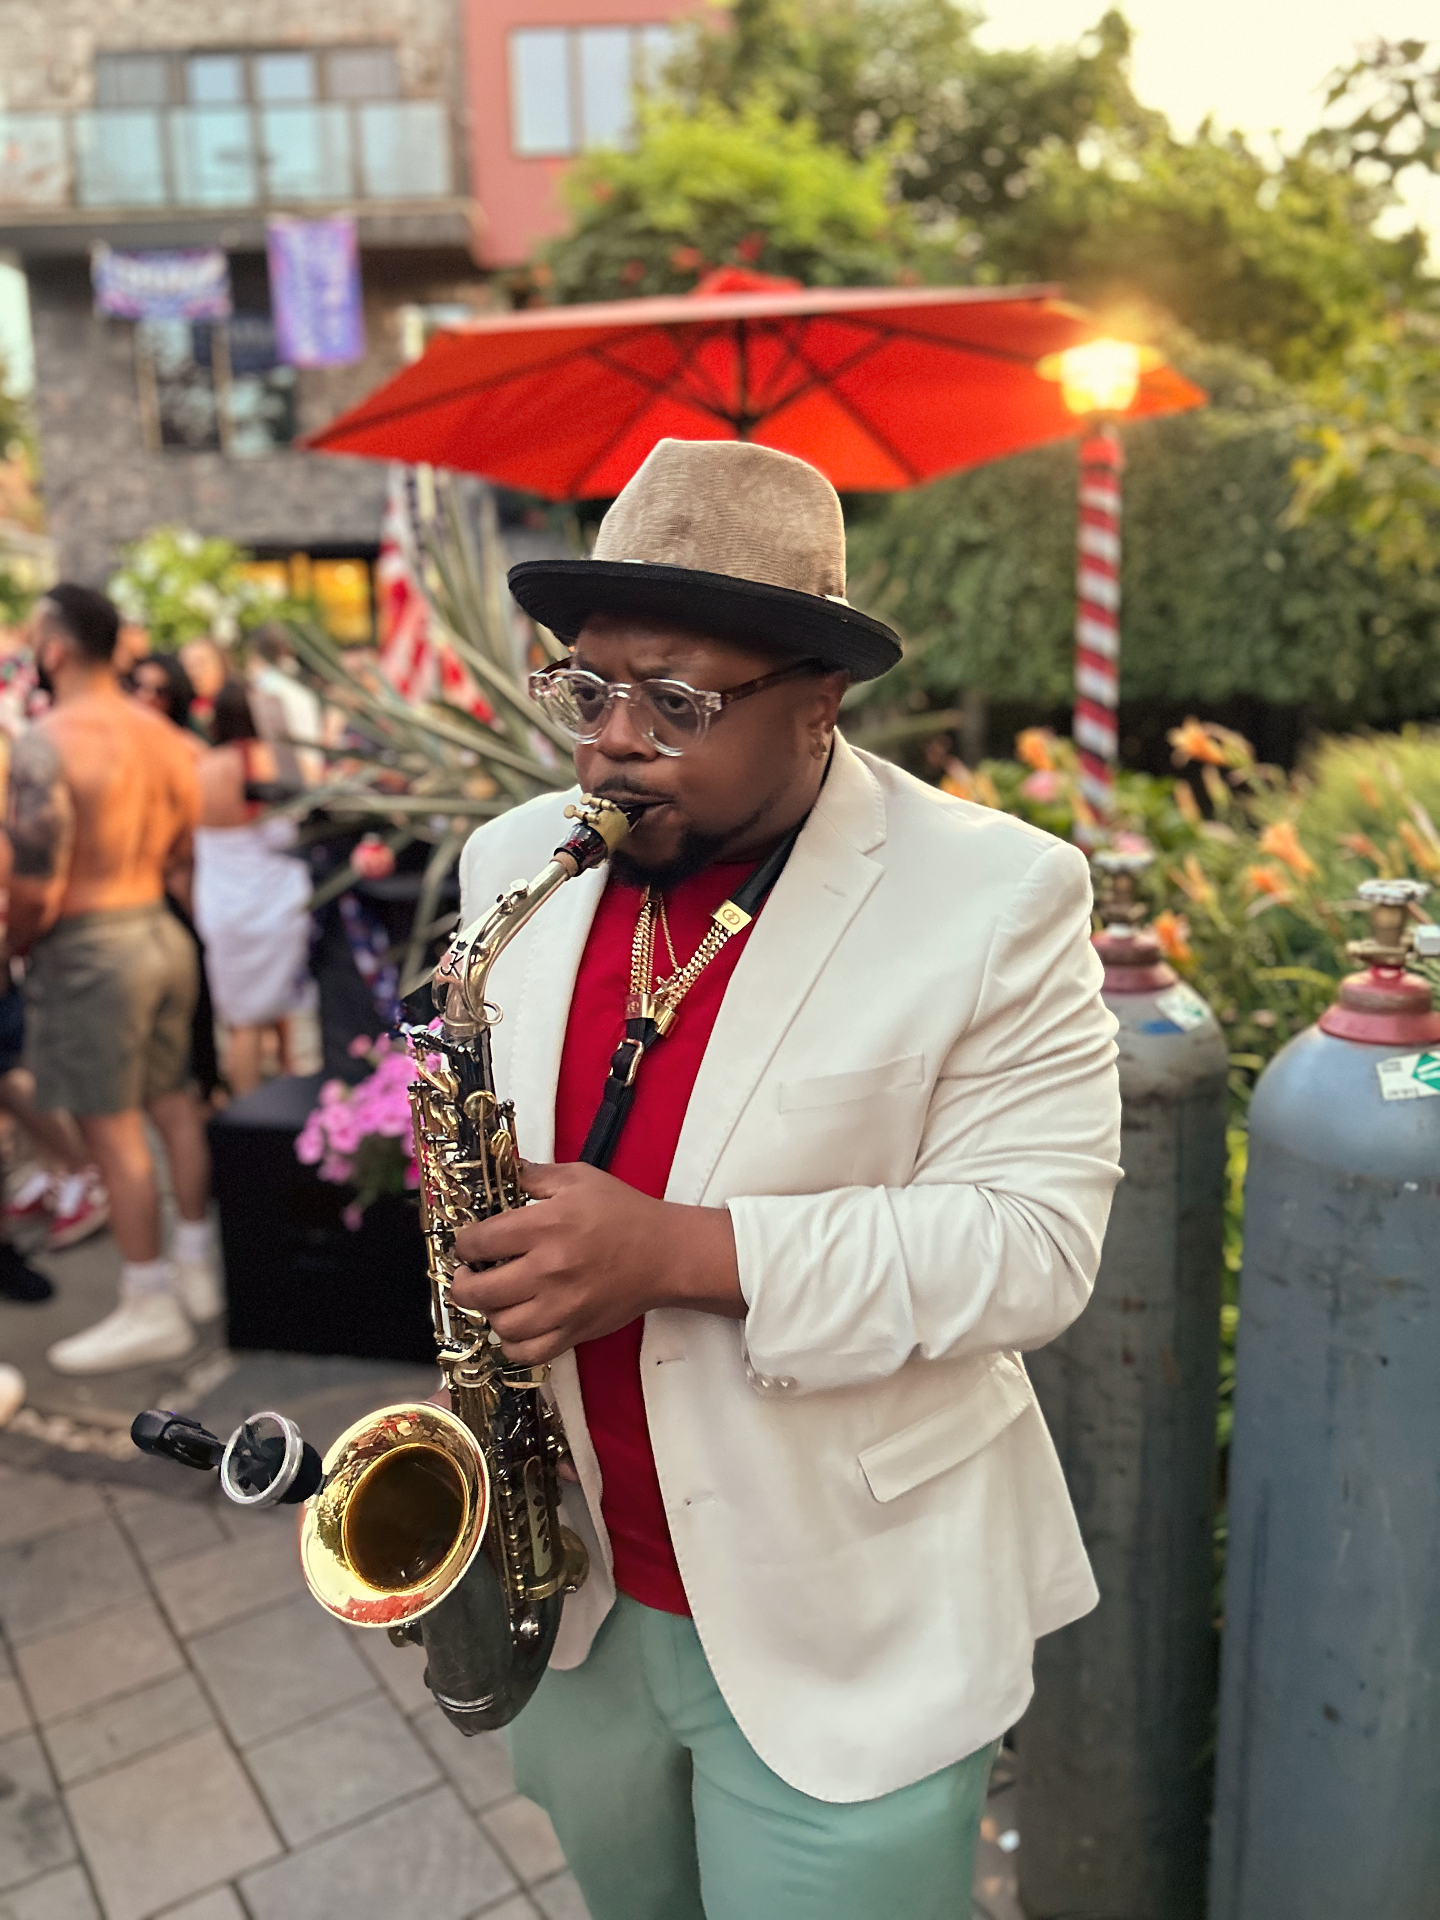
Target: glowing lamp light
column 1100, row 376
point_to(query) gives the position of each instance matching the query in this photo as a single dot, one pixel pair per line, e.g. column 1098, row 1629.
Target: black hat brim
column 562, row 594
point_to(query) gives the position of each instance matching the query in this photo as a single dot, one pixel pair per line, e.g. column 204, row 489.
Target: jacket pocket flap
column 952, row 1433
column 832, row 1089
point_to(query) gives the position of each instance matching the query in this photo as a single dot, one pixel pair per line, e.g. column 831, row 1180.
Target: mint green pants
column 666, row 1812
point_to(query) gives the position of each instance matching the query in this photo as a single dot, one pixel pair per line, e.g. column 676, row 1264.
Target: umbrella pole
column 1095, row 726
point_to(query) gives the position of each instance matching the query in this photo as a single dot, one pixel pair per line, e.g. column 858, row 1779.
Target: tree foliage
column 1220, row 594
column 709, row 185
column 963, row 124
column 1390, row 109
column 1282, row 261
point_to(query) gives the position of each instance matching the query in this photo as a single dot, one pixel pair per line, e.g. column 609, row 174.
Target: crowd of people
column 154, row 903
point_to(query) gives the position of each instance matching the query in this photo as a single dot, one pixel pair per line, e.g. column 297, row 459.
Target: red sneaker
column 82, row 1207
column 35, row 1195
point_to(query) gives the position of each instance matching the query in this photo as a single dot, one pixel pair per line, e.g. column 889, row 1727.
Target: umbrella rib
column 471, row 386
column 578, row 479
column 655, row 390
column 817, row 378
column 880, row 439
column 663, row 389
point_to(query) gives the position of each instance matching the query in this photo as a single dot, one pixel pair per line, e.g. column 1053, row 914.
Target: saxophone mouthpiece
column 601, row 825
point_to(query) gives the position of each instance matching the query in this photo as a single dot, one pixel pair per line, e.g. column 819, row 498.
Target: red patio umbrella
column 879, row 387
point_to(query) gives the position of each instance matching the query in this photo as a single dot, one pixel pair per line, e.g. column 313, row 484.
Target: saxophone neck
column 461, row 978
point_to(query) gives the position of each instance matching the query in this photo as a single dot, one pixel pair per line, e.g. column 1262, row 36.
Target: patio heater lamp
column 1098, row 382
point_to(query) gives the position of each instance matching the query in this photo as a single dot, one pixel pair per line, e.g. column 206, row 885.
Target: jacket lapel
column 557, row 940
column 825, row 881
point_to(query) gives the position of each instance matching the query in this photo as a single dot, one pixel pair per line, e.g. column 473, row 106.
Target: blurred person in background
column 208, row 671
column 64, row 1188
column 159, row 683
column 252, row 898
column 286, row 713
column 132, row 644
column 102, row 807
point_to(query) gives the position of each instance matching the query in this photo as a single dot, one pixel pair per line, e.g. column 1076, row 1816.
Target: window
column 283, row 76
column 237, row 77
column 243, row 127
column 573, row 87
column 214, row 387
column 132, row 79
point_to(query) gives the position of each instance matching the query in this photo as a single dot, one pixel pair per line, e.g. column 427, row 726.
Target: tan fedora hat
column 729, row 539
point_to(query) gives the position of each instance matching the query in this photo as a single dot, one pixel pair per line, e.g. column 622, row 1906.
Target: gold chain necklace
column 659, row 1000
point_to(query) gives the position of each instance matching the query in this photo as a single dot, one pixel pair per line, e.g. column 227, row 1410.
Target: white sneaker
column 12, row 1393
column 149, row 1327
column 198, row 1286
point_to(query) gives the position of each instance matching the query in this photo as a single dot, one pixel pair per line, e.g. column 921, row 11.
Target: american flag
column 420, row 666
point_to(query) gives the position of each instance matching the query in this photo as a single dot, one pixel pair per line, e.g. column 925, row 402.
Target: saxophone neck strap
column 650, row 1016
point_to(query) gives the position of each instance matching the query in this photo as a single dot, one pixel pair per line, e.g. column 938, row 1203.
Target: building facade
column 546, row 79
column 187, row 124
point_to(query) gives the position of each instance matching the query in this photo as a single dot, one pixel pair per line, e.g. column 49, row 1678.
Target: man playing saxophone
column 825, row 1119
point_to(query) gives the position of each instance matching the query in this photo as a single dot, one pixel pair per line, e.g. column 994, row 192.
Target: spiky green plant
column 431, row 772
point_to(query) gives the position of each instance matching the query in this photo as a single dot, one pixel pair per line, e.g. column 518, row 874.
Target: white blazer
column 910, row 1106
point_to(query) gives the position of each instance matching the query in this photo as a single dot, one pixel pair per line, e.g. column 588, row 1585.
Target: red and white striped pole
column 1095, row 726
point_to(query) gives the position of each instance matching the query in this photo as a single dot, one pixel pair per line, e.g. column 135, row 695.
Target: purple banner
column 315, row 292
column 194, row 285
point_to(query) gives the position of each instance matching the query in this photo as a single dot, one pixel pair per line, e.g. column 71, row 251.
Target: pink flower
column 359, row 1047
column 353, row 1216
column 1043, row 786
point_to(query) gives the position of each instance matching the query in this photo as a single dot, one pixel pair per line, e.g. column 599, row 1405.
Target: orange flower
column 1195, row 741
column 1172, row 930
column 1186, row 805
column 1036, row 748
column 1281, row 839
column 687, row 259
column 1193, row 882
column 1368, row 792
column 1421, row 851
column 1363, row 845
column 1267, row 880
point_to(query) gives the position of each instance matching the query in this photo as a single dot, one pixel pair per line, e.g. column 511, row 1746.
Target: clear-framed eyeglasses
column 668, row 713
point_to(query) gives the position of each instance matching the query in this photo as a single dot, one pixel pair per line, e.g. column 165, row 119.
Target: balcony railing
column 242, row 156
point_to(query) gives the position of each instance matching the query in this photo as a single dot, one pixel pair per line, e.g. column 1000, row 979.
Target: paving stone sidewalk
column 184, row 1734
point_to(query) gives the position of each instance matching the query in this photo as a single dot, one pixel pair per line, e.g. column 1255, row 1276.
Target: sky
column 1257, row 65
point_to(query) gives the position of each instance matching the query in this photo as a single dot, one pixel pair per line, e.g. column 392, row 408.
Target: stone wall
column 50, row 45
column 102, row 487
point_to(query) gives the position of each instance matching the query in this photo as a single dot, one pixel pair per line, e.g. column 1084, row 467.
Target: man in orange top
column 103, row 802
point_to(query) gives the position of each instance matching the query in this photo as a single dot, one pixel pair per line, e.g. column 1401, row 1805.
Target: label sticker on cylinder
column 1409, row 1076
column 1182, row 1007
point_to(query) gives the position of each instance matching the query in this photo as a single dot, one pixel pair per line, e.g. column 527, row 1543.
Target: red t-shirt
column 634, row 1511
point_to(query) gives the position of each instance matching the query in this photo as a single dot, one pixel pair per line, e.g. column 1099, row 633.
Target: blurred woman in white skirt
column 252, row 896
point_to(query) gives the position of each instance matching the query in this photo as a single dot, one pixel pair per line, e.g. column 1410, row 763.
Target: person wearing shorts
column 101, row 814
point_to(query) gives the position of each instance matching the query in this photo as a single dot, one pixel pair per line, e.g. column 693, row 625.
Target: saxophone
column 441, row 1526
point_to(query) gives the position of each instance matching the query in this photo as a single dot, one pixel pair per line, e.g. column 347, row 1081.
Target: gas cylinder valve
column 1117, row 898
column 1391, row 905
column 1387, row 1003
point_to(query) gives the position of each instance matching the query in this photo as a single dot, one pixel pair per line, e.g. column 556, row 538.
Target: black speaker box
column 299, row 1280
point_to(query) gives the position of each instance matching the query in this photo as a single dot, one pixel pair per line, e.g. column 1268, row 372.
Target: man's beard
column 696, row 851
